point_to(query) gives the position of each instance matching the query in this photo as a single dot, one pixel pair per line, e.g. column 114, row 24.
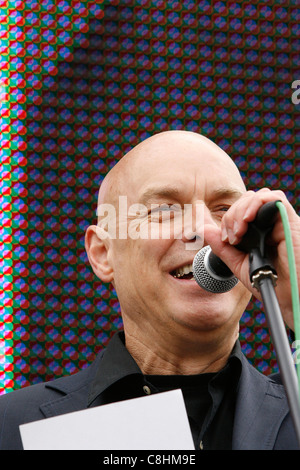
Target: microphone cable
column 265, row 284
column 293, row 278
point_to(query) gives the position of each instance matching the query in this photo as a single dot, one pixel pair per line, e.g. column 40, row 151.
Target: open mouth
column 184, row 272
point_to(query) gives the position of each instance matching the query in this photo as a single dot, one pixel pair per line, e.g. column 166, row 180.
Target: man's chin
column 204, row 320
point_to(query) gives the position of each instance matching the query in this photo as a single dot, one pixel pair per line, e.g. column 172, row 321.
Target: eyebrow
column 173, row 193
column 227, row 192
column 165, row 192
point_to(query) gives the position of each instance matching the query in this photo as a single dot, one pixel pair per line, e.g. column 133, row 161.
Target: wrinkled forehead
column 173, row 158
column 181, row 164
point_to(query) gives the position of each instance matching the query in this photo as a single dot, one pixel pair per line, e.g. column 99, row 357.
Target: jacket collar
column 78, row 391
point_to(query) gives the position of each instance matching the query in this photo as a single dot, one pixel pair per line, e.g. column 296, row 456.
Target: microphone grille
column 205, row 280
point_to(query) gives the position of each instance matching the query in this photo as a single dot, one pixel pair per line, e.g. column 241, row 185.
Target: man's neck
column 154, row 358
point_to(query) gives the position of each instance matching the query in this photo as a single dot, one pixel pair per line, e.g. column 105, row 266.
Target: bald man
column 175, row 334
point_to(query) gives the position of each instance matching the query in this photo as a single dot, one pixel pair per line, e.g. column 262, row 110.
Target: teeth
column 183, row 270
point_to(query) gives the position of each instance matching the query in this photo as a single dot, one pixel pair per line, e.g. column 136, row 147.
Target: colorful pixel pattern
column 81, row 83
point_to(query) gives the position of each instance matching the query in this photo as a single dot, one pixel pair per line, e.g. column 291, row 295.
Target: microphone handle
column 259, row 228
column 253, row 240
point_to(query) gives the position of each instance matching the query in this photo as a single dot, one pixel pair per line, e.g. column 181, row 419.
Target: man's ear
column 97, row 247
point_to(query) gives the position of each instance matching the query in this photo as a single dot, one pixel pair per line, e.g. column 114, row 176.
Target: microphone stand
column 263, row 277
column 264, row 280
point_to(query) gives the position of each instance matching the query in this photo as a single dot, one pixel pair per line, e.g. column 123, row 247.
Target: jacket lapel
column 73, row 392
column 260, row 409
column 73, row 401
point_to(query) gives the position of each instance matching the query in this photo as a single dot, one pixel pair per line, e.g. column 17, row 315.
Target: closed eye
column 218, row 212
column 160, row 212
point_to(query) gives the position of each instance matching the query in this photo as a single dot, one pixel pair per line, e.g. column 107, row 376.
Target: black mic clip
column 254, row 243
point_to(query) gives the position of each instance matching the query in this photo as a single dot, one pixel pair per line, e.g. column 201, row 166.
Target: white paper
column 154, row 422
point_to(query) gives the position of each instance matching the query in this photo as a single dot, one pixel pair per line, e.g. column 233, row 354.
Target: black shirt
column 209, row 398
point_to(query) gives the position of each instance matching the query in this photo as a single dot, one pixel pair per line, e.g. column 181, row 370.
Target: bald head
column 151, row 153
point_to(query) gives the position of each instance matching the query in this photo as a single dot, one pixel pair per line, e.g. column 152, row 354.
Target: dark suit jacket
column 262, row 419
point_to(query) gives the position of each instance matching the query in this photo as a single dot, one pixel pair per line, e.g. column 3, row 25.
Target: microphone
column 213, row 275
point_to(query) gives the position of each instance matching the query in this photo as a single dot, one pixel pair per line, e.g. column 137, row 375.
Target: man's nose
column 196, row 217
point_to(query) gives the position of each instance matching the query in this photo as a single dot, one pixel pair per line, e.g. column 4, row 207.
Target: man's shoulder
column 256, row 383
column 39, row 401
column 262, row 417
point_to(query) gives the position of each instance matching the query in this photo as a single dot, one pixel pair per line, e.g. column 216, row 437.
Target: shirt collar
column 232, row 369
column 117, row 364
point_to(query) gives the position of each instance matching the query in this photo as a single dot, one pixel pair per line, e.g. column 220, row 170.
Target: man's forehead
column 169, row 179
column 177, row 192
column 168, row 157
